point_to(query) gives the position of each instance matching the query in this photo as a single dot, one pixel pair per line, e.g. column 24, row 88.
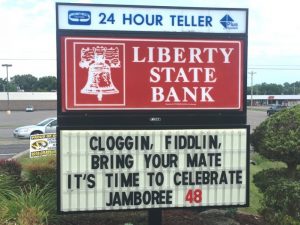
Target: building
column 260, row 100
column 20, row 100
column 48, row 100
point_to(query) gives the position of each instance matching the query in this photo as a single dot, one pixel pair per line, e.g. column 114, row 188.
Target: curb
column 20, row 154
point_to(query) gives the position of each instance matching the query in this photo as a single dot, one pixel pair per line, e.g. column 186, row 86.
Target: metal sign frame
column 83, row 129
column 143, row 119
column 154, row 117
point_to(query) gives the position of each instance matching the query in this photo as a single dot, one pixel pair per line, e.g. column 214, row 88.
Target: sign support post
column 154, row 217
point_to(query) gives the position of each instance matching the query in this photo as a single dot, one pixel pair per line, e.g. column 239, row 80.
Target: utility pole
column 7, row 65
column 252, row 73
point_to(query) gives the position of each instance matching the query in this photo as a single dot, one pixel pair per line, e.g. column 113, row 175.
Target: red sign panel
column 151, row 74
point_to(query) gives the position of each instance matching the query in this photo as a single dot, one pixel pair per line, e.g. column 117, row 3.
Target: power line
column 271, row 68
column 274, row 65
column 20, row 59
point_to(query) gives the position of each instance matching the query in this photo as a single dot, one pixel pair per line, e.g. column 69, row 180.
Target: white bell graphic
column 99, row 80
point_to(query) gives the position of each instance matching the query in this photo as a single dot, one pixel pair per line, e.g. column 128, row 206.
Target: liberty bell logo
column 99, row 61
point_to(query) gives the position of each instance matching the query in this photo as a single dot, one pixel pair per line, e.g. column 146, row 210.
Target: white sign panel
column 153, row 19
column 42, row 145
column 139, row 169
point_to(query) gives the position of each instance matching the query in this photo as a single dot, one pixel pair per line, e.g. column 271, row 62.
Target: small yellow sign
column 42, row 145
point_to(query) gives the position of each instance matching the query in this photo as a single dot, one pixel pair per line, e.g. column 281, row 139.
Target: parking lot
column 10, row 146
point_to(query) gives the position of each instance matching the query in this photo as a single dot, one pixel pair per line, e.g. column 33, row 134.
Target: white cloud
column 28, row 30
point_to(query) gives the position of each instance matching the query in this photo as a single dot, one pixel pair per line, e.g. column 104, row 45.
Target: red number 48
column 193, row 196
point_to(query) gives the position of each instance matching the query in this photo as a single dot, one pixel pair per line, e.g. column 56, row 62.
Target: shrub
column 11, row 167
column 41, row 172
column 278, row 138
column 32, row 205
column 29, row 216
column 231, row 212
column 275, row 218
column 266, row 178
column 284, row 197
column 8, row 186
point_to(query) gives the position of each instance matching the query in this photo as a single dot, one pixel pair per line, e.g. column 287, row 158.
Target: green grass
column 25, row 160
column 255, row 195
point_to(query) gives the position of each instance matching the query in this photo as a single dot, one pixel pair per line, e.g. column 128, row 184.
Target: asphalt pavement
column 10, row 146
column 255, row 117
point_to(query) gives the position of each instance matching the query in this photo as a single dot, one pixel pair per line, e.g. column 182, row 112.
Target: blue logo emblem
column 79, row 17
column 228, row 23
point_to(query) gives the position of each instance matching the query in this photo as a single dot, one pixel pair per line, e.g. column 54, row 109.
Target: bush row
column 278, row 139
column 27, row 196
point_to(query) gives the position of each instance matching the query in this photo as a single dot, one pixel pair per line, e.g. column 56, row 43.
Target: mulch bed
column 169, row 217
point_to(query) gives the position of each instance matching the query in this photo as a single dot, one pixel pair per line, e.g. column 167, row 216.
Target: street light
column 252, row 73
column 7, row 65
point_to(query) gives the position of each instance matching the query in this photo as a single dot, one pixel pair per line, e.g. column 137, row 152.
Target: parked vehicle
column 46, row 126
column 275, row 108
column 51, row 127
column 29, row 108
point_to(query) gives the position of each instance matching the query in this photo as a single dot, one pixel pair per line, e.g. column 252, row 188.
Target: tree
column 278, row 138
column 2, row 85
column 266, row 89
column 25, row 82
column 46, row 83
column 275, row 89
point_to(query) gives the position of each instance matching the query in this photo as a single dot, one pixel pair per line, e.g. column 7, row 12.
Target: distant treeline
column 275, row 89
column 28, row 82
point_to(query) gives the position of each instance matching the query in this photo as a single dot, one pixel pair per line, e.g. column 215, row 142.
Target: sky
column 28, row 35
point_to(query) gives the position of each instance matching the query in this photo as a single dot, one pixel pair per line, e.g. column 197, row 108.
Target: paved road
column 10, row 146
column 254, row 118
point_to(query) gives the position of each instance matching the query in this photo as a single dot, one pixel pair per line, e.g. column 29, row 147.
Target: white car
column 46, row 126
column 29, row 108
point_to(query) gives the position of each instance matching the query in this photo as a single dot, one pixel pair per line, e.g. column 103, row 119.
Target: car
column 51, row 127
column 46, row 126
column 275, row 108
column 29, row 108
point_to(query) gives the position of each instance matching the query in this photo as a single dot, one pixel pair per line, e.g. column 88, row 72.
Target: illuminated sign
column 154, row 19
column 150, row 73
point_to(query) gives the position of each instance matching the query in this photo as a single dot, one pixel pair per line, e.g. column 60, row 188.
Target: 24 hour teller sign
column 136, row 169
column 151, row 73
